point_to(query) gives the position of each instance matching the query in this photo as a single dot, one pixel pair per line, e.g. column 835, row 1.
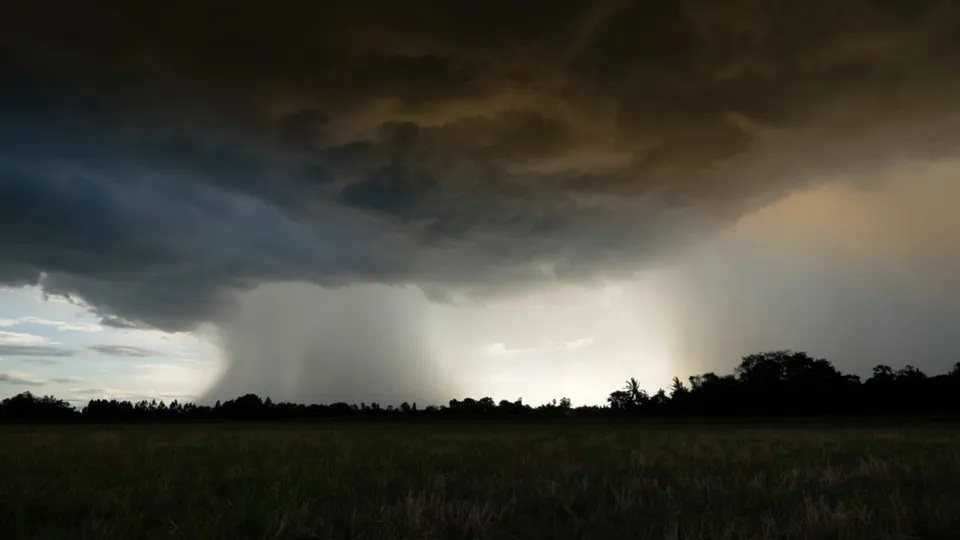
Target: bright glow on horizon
column 562, row 341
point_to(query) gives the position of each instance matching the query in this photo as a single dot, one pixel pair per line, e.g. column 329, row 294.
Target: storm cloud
column 157, row 161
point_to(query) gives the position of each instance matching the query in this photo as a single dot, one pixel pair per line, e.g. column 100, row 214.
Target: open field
column 489, row 480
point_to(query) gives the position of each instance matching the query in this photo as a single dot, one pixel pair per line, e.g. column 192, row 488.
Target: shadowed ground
column 489, row 480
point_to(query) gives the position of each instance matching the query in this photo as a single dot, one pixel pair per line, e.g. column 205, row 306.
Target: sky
column 50, row 346
column 426, row 200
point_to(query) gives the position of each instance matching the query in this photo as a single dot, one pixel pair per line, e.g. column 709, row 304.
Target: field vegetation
column 415, row 480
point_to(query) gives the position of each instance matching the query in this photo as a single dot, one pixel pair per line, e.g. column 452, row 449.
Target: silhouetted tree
column 769, row 384
column 630, row 399
column 619, row 400
column 26, row 407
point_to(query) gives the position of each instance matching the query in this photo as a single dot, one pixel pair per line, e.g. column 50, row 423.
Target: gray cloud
column 63, row 325
column 66, row 380
column 52, row 351
column 127, row 351
column 39, row 361
column 477, row 149
column 20, row 380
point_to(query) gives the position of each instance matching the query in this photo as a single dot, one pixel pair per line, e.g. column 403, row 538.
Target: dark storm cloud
column 155, row 159
column 394, row 189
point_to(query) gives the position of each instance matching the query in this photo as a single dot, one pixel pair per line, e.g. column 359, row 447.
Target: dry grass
column 488, row 481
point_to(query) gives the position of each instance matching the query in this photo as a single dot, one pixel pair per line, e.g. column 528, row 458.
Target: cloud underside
column 464, row 147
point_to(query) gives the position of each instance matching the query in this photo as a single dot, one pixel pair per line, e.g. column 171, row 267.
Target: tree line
column 769, row 384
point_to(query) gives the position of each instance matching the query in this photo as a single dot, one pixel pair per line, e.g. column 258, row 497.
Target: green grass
column 525, row 481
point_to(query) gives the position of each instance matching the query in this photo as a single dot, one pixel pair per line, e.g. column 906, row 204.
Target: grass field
column 521, row 481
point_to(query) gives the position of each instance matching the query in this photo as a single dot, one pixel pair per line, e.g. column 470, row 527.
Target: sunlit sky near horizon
column 49, row 346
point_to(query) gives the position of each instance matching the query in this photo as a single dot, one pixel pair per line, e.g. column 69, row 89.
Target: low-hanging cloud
column 469, row 149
